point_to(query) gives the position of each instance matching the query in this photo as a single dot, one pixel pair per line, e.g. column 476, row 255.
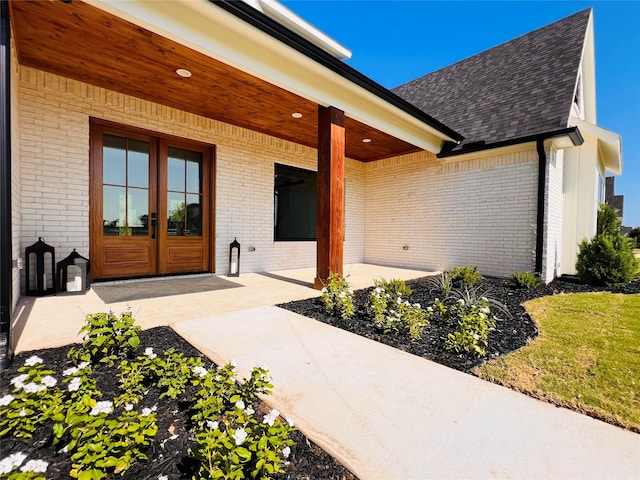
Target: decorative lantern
column 234, row 259
column 40, row 276
column 73, row 274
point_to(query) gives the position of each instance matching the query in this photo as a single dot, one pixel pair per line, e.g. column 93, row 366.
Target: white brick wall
column 554, row 207
column 54, row 176
column 472, row 212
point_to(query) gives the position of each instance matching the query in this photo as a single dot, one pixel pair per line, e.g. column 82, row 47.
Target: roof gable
column 521, row 88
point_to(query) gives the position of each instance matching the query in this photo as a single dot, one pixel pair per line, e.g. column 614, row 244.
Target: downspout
column 6, row 287
column 542, row 180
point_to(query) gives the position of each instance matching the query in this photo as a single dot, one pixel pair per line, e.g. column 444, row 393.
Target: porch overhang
column 135, row 47
column 609, row 144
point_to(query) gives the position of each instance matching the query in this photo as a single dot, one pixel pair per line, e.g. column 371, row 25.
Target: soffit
column 82, row 42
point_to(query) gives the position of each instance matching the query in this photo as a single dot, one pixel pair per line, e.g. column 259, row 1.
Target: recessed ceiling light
column 296, row 115
column 183, row 72
column 366, row 140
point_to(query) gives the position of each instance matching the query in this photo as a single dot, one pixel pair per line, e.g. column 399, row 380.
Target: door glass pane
column 138, row 164
column 113, row 210
column 138, row 211
column 114, row 160
column 176, row 214
column 194, row 174
column 176, row 169
column 194, row 215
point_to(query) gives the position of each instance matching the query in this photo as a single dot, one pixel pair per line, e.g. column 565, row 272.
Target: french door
column 150, row 204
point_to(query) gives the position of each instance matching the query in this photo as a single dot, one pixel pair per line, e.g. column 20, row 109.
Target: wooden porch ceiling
column 82, row 42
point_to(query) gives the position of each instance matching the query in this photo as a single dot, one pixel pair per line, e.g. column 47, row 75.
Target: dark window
column 295, row 203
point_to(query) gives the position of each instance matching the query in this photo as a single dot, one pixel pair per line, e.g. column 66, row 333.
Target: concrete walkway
column 386, row 414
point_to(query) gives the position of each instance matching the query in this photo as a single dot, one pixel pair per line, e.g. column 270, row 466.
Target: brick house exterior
column 444, row 197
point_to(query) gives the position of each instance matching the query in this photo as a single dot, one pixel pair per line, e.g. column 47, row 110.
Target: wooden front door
column 150, row 204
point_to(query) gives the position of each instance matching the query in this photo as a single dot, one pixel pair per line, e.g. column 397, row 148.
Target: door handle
column 154, row 220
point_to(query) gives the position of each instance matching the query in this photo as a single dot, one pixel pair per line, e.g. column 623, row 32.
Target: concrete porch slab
column 386, row 414
column 54, row 321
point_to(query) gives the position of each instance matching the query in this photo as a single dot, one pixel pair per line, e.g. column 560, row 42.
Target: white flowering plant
column 231, row 441
column 107, row 338
column 338, row 296
column 473, row 322
column 170, row 371
column 393, row 312
column 105, row 437
column 33, row 401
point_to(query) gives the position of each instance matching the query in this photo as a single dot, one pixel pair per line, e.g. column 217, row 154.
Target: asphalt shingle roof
column 520, row 88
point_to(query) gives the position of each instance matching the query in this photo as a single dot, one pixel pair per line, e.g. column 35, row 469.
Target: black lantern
column 234, row 259
column 73, row 274
column 40, row 279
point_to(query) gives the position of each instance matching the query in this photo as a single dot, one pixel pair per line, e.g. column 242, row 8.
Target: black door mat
column 159, row 287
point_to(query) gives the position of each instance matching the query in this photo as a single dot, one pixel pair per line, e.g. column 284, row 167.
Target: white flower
column 286, row 451
column 240, row 404
column 429, row 309
column 324, row 290
column 31, row 361
column 233, row 363
column 33, row 387
column 200, row 371
column 146, row 411
column 271, row 417
column 83, row 365
column 102, row 407
column 23, row 413
column 74, row 384
column 249, row 411
column 212, row 425
column 461, row 302
column 14, row 460
column 217, row 378
column 70, row 371
column 49, row 381
column 476, row 336
column 6, row 400
column 149, row 353
column 163, row 477
column 240, row 436
column 128, row 407
column 342, row 294
column 18, row 381
column 290, row 422
column 37, row 466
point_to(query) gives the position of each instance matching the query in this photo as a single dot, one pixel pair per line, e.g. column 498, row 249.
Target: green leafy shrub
column 107, row 338
column 465, row 276
column 392, row 311
column 473, row 323
column 104, row 438
column 337, row 297
column 607, row 259
column 527, row 280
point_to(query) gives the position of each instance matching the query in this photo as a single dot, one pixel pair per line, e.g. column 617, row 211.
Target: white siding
column 478, row 212
column 553, row 221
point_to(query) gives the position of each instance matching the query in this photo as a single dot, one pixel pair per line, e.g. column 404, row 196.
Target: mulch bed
column 166, row 456
column 510, row 333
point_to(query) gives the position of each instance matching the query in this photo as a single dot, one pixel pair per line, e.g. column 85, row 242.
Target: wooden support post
column 330, row 221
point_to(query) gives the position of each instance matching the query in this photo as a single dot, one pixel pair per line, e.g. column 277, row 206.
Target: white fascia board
column 286, row 17
column 200, row 25
column 609, row 144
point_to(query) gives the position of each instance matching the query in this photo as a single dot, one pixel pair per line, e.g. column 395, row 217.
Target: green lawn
column 587, row 356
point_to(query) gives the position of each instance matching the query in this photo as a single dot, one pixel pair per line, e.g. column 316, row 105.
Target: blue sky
column 396, row 41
